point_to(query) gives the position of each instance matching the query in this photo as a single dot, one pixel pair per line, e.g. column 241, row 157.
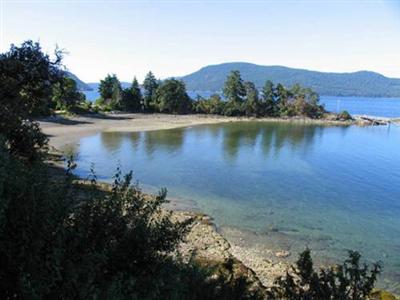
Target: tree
column 252, row 105
column 304, row 102
column 132, row 97
column 213, row 105
column 27, row 77
column 110, row 91
column 268, row 99
column 66, row 94
column 282, row 97
column 171, row 97
column 235, row 92
column 150, row 85
column 234, row 89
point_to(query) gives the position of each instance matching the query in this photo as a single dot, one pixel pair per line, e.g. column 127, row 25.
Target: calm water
column 380, row 107
column 331, row 188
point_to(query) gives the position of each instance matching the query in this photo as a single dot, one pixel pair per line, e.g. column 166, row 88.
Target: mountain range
column 211, row 79
column 362, row 83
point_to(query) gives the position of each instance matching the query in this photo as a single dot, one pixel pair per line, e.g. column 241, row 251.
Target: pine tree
column 150, row 84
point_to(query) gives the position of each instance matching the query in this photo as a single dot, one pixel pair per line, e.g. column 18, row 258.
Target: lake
column 291, row 185
column 380, row 107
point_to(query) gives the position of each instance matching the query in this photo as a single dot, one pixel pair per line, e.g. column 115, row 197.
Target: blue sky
column 174, row 38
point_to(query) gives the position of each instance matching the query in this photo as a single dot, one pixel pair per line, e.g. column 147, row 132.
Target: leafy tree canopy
column 132, row 97
column 150, row 85
column 171, row 97
column 234, row 90
column 27, row 78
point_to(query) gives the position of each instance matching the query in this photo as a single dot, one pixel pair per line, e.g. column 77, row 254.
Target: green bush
column 344, row 115
column 214, row 105
column 348, row 281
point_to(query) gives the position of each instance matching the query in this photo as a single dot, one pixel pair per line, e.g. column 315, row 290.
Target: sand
column 69, row 130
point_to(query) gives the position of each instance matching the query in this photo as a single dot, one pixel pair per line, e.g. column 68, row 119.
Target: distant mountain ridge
column 362, row 83
column 82, row 86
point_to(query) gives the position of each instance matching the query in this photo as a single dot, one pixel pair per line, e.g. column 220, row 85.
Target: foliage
column 132, row 98
column 171, row 97
column 27, row 77
column 252, row 104
column 150, row 85
column 268, row 99
column 63, row 241
column 275, row 101
column 110, row 91
column 66, row 95
column 349, row 281
column 214, row 105
column 344, row 115
column 234, row 89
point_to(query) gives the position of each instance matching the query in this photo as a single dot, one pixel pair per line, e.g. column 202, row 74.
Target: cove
column 292, row 185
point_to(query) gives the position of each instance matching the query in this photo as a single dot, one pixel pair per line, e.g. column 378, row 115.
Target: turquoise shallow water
column 329, row 188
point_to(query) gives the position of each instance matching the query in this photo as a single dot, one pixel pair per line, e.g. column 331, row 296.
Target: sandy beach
column 67, row 130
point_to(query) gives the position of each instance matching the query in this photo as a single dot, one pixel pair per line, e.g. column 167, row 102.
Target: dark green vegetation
column 344, row 115
column 363, row 83
column 349, row 281
column 168, row 96
column 242, row 98
column 63, row 240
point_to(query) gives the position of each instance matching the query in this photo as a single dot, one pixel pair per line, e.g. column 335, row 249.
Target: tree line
column 241, row 98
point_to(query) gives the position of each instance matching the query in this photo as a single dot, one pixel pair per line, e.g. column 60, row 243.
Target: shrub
column 344, row 115
column 214, row 105
column 349, row 281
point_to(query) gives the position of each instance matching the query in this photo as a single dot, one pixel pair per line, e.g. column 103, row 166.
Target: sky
column 174, row 38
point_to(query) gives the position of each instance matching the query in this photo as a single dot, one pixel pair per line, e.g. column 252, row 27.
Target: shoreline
column 206, row 239
column 63, row 131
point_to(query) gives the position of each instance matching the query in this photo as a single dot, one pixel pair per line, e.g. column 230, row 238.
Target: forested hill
column 363, row 83
column 82, row 86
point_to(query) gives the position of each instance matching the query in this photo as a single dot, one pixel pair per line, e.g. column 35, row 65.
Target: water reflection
column 163, row 140
column 269, row 137
column 111, row 141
